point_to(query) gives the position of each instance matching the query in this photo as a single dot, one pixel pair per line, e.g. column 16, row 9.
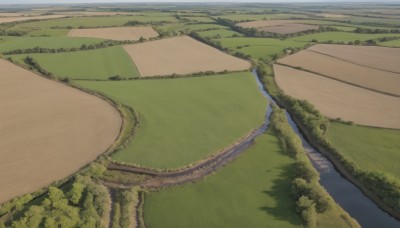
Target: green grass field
column 184, row 120
column 93, row 64
column 391, row 43
column 199, row 19
column 75, row 22
column 370, row 148
column 253, row 191
column 46, row 42
column 259, row 47
column 244, row 17
column 339, row 37
column 49, row 32
column 221, row 33
column 184, row 27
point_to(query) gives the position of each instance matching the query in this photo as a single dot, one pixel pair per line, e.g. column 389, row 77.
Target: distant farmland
column 115, row 33
column 340, row 100
column 14, row 19
column 181, row 55
column 377, row 80
column 382, row 58
column 278, row 26
column 48, row 130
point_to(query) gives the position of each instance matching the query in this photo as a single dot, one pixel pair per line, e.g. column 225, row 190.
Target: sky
column 110, row 1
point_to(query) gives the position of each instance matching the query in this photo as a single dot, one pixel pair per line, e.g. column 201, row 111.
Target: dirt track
column 382, row 58
column 115, row 33
column 47, row 130
column 337, row 99
column 181, row 55
column 374, row 79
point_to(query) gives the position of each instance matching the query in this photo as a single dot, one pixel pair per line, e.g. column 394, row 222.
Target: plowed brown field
column 181, row 55
column 336, row 99
column 366, row 77
column 383, row 58
column 115, row 33
column 47, row 130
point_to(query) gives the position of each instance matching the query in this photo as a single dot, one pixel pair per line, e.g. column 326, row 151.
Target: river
column 345, row 193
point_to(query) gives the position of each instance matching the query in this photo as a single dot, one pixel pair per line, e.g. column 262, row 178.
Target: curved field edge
column 368, row 181
column 55, row 121
column 187, row 122
column 265, row 199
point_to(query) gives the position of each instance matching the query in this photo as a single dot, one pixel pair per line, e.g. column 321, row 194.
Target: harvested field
column 377, row 80
column 340, row 100
column 13, row 19
column 116, row 33
column 47, row 130
column 181, row 55
column 383, row 58
column 278, row 26
column 288, row 28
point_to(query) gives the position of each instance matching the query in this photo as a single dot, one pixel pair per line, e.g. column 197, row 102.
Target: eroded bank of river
column 345, row 193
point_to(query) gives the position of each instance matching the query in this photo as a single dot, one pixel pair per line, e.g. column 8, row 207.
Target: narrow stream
column 345, row 193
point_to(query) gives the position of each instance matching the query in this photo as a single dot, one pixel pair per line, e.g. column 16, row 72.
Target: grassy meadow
column 370, row 148
column 339, row 37
column 92, row 64
column 259, row 47
column 12, row 43
column 222, row 33
column 252, row 191
column 184, row 120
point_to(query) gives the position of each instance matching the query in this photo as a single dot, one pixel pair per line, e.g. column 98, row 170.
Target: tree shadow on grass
column 284, row 206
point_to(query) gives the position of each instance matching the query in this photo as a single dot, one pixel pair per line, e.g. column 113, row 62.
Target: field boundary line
column 354, row 62
column 339, row 80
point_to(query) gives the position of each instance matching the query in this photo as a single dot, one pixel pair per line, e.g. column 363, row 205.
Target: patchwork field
column 65, row 129
column 116, row 33
column 278, row 26
column 259, row 47
column 93, row 64
column 181, row 55
column 230, row 198
column 340, row 100
column 382, row 58
column 339, row 37
column 376, row 80
column 14, row 43
column 188, row 118
column 370, row 148
column 15, row 19
column 288, row 28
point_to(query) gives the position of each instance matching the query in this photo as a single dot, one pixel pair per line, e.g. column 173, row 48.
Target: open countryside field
column 339, row 37
column 238, row 17
column 116, row 33
column 92, row 64
column 278, row 26
column 382, row 58
column 181, row 55
column 340, row 100
column 230, row 198
column 259, row 47
column 15, row 19
column 376, row 80
column 220, row 33
column 189, row 118
column 392, row 43
column 288, row 28
column 371, row 148
column 14, row 43
column 63, row 124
